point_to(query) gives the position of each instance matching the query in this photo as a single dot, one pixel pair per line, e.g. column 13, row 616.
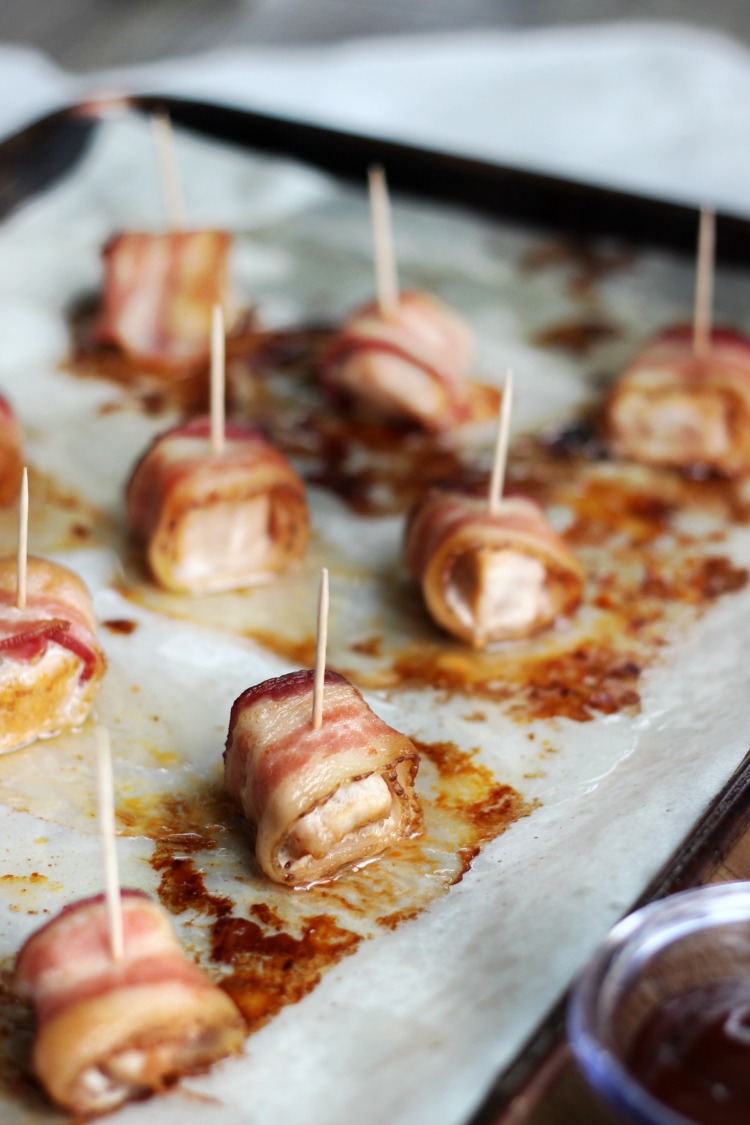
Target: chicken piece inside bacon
column 159, row 292
column 11, row 454
column 51, row 665
column 489, row 577
column 318, row 800
column 109, row 1032
column 410, row 366
column 673, row 407
column 217, row 521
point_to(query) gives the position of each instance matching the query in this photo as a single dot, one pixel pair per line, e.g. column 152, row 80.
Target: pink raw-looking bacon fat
column 159, row 291
column 51, row 664
column 490, row 577
column 217, row 521
column 11, row 455
column 345, row 790
column 672, row 407
column 411, row 366
column 110, row 1031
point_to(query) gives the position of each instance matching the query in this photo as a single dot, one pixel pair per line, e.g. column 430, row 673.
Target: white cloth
column 654, row 108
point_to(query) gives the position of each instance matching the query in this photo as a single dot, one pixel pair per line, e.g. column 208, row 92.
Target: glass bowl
column 676, row 955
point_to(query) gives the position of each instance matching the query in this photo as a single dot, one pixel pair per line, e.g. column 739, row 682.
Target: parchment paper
column 414, row 1026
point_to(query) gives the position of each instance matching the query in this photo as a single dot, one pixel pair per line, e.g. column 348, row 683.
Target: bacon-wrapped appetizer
column 319, row 800
column 51, row 664
column 110, row 1031
column 411, row 365
column 11, row 456
column 216, row 521
column 675, row 407
column 159, row 291
column 490, row 577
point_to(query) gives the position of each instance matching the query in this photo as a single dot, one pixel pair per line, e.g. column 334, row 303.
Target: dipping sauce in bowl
column 693, row 1053
column 659, row 1020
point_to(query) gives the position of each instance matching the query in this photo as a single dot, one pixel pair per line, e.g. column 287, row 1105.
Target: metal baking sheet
column 558, row 775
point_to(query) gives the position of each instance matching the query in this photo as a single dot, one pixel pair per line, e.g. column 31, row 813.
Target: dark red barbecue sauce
column 693, row 1053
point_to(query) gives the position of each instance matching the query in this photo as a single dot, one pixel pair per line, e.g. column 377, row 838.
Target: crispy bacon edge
column 669, row 359
column 130, row 261
column 162, row 490
column 444, row 525
column 70, row 624
column 353, row 342
column 90, row 1009
column 278, row 768
column 58, row 612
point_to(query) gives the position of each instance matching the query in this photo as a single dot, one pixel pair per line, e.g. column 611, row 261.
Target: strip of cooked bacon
column 411, row 366
column 319, row 800
column 107, row 1031
column 51, row 664
column 159, row 291
column 490, row 577
column 217, row 521
column 673, row 407
column 11, row 455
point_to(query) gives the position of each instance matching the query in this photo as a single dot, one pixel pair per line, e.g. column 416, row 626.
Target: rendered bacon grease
column 216, row 521
column 319, row 800
column 490, row 577
column 51, row 664
column 107, row 1031
column 411, row 365
column 675, row 407
column 159, row 292
column 11, row 455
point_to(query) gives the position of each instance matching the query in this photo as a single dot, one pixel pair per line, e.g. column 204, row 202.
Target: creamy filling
column 497, row 591
column 128, row 1074
column 676, row 426
column 344, row 813
column 224, row 539
column 135, row 1071
column 101, row 1091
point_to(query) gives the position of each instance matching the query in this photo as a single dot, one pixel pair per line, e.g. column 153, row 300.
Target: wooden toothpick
column 106, row 805
column 704, row 283
column 500, row 459
column 23, row 541
column 218, row 380
column 320, row 650
column 386, row 277
column 169, row 171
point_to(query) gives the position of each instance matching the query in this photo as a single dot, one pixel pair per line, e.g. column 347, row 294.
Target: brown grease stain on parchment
column 269, row 945
column 584, row 267
column 577, row 337
column 376, row 468
column 649, row 573
column 59, row 520
column 650, row 543
column 585, row 263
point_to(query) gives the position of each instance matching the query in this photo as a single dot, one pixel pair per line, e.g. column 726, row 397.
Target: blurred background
column 84, row 35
